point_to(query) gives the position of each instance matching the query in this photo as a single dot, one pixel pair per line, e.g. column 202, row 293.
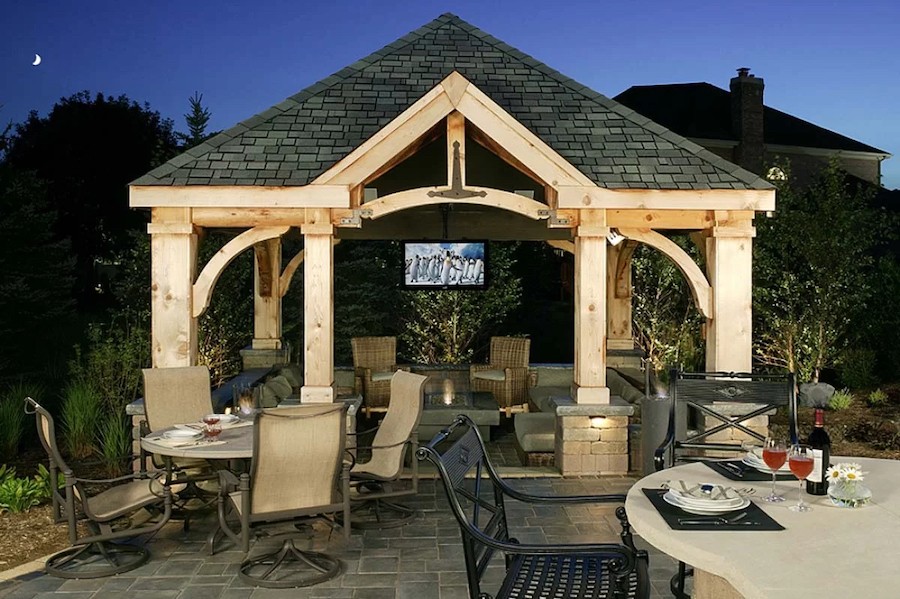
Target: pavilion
column 450, row 116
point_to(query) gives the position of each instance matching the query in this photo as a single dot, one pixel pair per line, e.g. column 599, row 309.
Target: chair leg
column 314, row 568
column 96, row 560
column 378, row 514
column 676, row 585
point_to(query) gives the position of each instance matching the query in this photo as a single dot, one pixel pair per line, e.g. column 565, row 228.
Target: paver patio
column 422, row 560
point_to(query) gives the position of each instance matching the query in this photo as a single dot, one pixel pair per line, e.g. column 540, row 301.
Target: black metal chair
column 532, row 570
column 97, row 555
column 702, row 394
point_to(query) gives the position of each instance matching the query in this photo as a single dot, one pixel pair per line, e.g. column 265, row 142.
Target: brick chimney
column 747, row 120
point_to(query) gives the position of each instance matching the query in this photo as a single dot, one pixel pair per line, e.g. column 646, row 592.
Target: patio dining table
column 827, row 552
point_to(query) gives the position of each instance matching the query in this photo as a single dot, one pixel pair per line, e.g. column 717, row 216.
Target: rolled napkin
column 703, row 491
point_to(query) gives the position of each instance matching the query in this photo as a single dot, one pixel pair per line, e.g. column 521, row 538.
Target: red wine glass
column 801, row 462
column 212, row 428
column 774, row 454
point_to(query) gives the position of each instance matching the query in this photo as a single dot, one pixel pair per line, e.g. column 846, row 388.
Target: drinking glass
column 801, row 462
column 212, row 428
column 774, row 454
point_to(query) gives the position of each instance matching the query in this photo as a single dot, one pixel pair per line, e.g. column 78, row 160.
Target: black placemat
column 756, row 519
column 747, row 473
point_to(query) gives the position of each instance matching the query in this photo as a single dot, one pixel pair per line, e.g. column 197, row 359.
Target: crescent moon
column 37, row 60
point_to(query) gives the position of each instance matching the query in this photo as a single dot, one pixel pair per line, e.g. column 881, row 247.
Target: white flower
column 835, row 473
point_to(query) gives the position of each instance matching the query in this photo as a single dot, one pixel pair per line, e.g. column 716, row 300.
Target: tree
column 197, row 120
column 87, row 150
column 36, row 305
column 813, row 271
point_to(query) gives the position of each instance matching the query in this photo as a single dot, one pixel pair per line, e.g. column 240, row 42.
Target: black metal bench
column 532, row 571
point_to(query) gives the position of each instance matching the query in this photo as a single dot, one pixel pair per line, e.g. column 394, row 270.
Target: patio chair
column 505, row 374
column 297, row 472
column 374, row 363
column 532, row 570
column 97, row 555
column 705, row 395
column 377, row 482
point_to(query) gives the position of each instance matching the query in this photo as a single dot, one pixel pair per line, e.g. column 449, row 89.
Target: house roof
column 293, row 142
column 702, row 110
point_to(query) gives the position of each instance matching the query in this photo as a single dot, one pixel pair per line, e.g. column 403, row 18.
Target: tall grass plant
column 81, row 411
column 12, row 414
column 114, row 443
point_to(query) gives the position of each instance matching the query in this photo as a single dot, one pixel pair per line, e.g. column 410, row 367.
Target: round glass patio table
column 828, row 552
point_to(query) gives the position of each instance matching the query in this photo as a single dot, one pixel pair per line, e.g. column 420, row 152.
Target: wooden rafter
column 591, row 196
column 239, row 196
column 493, row 198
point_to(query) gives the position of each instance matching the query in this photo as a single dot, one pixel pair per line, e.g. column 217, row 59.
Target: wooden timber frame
column 333, row 202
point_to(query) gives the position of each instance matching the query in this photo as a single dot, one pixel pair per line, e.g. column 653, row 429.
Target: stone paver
column 422, row 560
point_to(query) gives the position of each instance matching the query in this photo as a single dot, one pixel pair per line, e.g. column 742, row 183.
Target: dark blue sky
column 832, row 62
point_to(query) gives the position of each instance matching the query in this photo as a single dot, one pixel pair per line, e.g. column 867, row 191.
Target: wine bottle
column 817, row 483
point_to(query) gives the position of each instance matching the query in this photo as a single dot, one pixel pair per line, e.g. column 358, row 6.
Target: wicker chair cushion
column 381, row 376
column 489, row 375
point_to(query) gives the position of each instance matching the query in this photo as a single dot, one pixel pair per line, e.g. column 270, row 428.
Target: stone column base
column 592, row 438
column 264, row 358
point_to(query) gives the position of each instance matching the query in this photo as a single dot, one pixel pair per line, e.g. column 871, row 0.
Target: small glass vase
column 849, row 493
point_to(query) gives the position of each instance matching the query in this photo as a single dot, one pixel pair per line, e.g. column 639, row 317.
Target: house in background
column 739, row 127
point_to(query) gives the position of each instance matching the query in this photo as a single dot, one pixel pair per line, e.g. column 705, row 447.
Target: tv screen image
column 445, row 264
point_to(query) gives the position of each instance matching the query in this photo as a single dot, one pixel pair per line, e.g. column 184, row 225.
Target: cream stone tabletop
column 236, row 443
column 827, row 552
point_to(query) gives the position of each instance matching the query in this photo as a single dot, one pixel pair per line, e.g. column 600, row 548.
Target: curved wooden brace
column 697, row 282
column 623, row 268
column 207, row 280
column 562, row 244
column 494, row 198
column 288, row 273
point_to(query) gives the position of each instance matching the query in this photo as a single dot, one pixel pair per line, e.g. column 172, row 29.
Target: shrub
column 43, row 479
column 858, row 368
column 81, row 410
column 114, row 441
column 12, row 414
column 19, row 494
column 877, row 398
column 841, row 400
column 6, row 472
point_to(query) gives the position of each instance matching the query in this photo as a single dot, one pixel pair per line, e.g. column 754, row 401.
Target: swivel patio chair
column 297, row 472
column 97, row 555
column 532, row 570
column 505, row 374
column 374, row 362
column 696, row 395
column 377, row 482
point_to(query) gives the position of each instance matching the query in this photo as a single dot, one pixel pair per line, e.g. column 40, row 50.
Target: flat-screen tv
column 445, row 264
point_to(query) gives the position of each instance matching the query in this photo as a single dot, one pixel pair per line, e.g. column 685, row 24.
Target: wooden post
column 618, row 296
column 318, row 308
column 590, row 308
column 267, row 294
column 729, row 263
column 173, row 255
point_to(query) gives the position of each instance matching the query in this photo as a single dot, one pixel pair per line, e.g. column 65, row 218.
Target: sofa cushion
column 540, row 397
column 536, row 431
column 619, row 385
column 489, row 375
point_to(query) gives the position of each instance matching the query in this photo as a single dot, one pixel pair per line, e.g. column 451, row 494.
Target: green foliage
column 6, row 472
column 858, row 368
column 81, row 410
column 19, row 494
column 666, row 321
column 841, row 400
column 445, row 327
column 35, row 289
column 813, row 272
column 197, row 120
column 114, row 442
column 877, row 398
column 43, row 478
column 12, row 414
column 87, row 149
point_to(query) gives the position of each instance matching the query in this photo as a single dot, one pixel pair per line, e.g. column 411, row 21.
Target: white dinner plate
column 224, row 419
column 705, row 495
column 754, row 462
column 182, row 435
column 710, row 511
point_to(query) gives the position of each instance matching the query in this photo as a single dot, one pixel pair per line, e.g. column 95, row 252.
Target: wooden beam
column 239, row 196
column 591, row 196
column 288, row 273
column 660, row 219
column 590, row 313
column 318, row 318
column 205, row 283
column 697, row 283
column 495, row 198
column 729, row 333
column 267, row 296
column 483, row 140
column 622, row 269
column 456, row 134
column 562, row 244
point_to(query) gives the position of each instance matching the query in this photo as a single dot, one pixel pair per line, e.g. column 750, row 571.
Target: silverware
column 717, row 520
column 733, row 468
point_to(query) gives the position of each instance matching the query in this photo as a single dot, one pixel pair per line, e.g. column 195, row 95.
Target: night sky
column 834, row 63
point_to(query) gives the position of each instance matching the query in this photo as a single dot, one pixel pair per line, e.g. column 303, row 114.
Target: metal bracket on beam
column 554, row 221
column 356, row 219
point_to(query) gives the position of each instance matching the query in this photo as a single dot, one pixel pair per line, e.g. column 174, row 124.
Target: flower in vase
column 834, row 474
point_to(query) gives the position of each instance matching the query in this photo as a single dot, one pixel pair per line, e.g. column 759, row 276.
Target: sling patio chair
column 377, row 482
column 374, row 363
column 533, row 570
column 297, row 474
column 506, row 373
column 725, row 402
column 107, row 513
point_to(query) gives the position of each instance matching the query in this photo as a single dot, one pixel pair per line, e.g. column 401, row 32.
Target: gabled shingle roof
column 702, row 110
column 298, row 139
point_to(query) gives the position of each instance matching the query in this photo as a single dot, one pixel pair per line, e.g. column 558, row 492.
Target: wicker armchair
column 374, row 362
column 505, row 374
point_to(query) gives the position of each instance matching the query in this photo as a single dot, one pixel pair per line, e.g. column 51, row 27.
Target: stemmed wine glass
column 213, row 428
column 774, row 454
column 801, row 462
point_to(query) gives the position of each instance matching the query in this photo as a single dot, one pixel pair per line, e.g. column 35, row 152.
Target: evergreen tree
column 197, row 120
